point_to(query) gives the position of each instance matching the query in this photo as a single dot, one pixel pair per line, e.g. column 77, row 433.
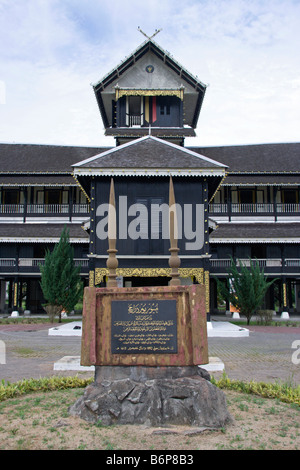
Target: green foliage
column 60, row 281
column 247, row 287
column 285, row 392
column 265, row 316
column 10, row 390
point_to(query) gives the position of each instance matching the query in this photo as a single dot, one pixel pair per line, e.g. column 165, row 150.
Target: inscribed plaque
column 143, row 327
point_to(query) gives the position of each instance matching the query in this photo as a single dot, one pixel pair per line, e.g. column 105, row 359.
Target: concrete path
column 267, row 354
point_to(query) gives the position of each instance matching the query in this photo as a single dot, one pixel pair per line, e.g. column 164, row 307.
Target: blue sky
column 246, row 51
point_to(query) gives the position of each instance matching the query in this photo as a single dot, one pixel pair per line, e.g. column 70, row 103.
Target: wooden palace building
column 232, row 201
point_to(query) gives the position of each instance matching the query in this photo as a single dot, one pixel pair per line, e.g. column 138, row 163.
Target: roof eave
column 184, row 172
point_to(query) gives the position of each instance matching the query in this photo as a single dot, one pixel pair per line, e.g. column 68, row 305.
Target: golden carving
column 198, row 273
column 15, row 293
column 91, row 279
column 126, row 92
column 78, row 184
column 100, row 274
column 284, row 295
column 206, row 281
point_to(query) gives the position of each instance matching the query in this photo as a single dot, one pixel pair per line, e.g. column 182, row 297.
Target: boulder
column 192, row 401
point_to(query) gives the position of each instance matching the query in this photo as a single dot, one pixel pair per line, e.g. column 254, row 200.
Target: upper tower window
column 165, row 109
column 141, row 111
column 134, row 111
column 169, row 111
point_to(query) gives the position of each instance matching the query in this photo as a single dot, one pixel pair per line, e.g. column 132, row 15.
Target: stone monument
column 147, row 345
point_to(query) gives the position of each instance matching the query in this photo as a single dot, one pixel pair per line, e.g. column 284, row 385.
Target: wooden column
column 25, row 203
column 15, row 294
column 285, row 298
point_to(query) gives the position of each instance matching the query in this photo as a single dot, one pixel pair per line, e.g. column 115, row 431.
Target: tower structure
column 150, row 103
column 149, row 89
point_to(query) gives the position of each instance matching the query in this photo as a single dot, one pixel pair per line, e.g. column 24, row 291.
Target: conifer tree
column 60, row 279
column 246, row 288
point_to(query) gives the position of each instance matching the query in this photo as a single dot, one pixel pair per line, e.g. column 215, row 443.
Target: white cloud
column 51, row 50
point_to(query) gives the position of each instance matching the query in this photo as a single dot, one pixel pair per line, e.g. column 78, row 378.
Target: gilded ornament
column 206, row 281
column 197, row 273
column 142, row 92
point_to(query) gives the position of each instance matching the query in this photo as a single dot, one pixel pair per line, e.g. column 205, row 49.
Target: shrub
column 285, row 392
column 246, row 288
column 60, row 279
column 266, row 316
column 10, row 390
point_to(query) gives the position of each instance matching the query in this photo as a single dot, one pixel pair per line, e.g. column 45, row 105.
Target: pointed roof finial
column 174, row 260
column 149, row 37
column 112, row 261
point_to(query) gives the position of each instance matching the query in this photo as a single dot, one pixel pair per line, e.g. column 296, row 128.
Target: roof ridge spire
column 149, row 37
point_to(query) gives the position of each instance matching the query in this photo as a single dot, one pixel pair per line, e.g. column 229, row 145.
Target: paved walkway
column 265, row 355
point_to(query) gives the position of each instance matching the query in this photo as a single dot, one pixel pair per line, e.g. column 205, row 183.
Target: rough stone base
column 192, row 401
column 143, row 373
